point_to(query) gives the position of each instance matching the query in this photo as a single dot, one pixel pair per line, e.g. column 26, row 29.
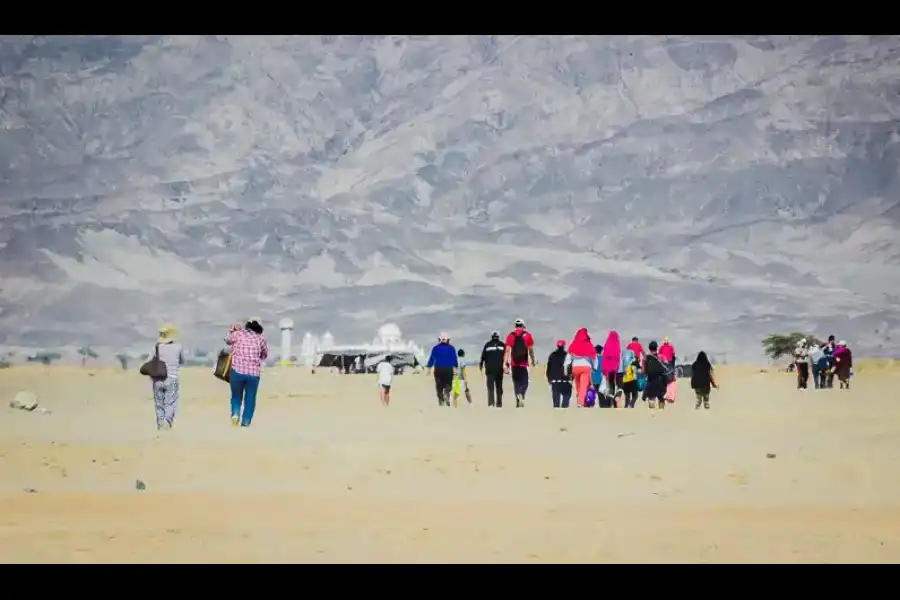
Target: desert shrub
column 198, row 362
column 4, row 364
column 123, row 361
column 44, row 357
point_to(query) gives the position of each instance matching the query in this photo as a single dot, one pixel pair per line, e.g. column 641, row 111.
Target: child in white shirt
column 385, row 371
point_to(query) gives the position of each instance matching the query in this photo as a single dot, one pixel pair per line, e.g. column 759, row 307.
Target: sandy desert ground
column 326, row 474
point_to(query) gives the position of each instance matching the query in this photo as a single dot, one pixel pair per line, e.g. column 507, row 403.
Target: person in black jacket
column 560, row 381
column 492, row 366
column 657, row 378
column 702, row 379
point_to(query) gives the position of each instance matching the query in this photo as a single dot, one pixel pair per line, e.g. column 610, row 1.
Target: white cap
column 842, row 343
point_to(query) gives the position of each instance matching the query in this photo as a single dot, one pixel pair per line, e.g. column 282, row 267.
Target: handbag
column 590, row 398
column 223, row 366
column 155, row 368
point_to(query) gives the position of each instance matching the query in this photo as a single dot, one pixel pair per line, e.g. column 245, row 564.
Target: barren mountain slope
column 710, row 188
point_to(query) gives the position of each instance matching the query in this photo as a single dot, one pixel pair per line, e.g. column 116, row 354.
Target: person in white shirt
column 385, row 370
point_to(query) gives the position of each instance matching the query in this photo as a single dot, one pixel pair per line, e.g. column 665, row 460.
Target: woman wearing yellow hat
column 166, row 391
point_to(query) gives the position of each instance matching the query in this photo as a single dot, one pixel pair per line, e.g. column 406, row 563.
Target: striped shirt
column 171, row 354
column 248, row 350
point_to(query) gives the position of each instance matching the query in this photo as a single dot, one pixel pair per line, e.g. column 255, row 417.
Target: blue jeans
column 243, row 391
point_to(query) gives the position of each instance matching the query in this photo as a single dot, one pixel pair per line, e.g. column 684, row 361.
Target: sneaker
column 235, row 421
column 706, row 406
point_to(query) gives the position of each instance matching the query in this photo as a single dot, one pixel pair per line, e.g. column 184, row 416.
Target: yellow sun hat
column 167, row 332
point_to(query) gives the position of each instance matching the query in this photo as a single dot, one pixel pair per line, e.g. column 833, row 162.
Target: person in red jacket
column 519, row 349
column 636, row 347
column 667, row 351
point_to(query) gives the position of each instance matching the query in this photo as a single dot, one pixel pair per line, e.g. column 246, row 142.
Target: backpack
column 668, row 372
column 627, row 358
column 519, row 349
column 597, row 372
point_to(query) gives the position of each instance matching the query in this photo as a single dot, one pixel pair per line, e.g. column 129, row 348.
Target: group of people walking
column 248, row 350
column 514, row 356
column 823, row 362
column 605, row 375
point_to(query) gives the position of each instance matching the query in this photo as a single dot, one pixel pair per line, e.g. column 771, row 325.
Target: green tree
column 86, row 352
column 123, row 360
column 777, row 345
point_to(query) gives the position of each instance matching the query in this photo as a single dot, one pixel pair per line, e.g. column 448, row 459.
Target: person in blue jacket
column 444, row 363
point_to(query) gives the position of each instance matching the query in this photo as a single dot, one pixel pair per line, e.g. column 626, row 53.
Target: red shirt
column 667, row 352
column 511, row 340
column 635, row 347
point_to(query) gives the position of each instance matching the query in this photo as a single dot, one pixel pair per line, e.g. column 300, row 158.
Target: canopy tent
column 370, row 358
column 398, row 359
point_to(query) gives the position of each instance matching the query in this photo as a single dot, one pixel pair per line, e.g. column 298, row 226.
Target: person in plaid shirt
column 248, row 350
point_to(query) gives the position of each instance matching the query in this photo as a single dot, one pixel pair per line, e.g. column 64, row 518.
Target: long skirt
column 671, row 391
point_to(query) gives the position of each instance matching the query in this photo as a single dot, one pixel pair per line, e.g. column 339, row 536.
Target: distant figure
column 830, row 345
column 581, row 360
column 636, row 347
column 667, row 352
column 818, row 361
column 702, row 380
column 630, row 381
column 248, row 350
column 519, row 354
column 598, row 379
column 828, row 348
column 658, row 374
column 492, row 366
column 801, row 361
column 460, row 384
column 166, row 391
column 559, row 377
column 385, row 370
column 444, row 361
column 612, row 360
column 843, row 364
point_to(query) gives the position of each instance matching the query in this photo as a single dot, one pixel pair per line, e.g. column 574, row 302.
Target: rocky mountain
column 712, row 188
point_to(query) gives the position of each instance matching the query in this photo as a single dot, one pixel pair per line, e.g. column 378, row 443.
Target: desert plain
column 328, row 475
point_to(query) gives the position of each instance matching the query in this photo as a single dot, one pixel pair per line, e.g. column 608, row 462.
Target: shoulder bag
column 155, row 368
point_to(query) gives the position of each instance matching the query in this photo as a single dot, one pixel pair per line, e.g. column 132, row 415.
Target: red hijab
column 582, row 345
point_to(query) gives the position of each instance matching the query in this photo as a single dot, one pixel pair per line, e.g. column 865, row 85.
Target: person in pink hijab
column 612, row 360
column 582, row 359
